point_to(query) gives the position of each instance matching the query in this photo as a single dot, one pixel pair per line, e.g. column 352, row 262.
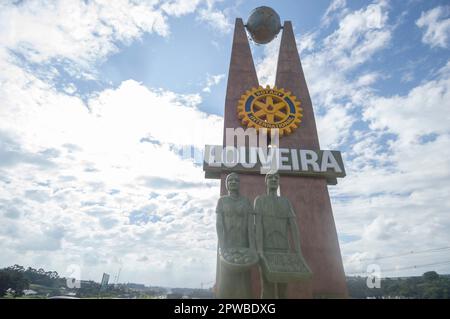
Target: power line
column 412, row 252
column 406, row 268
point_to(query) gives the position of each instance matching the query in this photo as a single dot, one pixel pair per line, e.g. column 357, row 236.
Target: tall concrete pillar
column 309, row 196
column 241, row 77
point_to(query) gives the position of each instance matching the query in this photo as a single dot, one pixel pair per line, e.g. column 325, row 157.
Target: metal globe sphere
column 263, row 24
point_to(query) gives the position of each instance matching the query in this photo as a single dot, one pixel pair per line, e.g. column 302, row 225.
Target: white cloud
column 85, row 32
column 436, row 25
column 180, row 7
column 423, row 111
column 266, row 66
column 360, row 35
column 367, row 79
column 73, row 171
column 407, row 77
column 109, row 129
column 306, row 42
column 206, row 12
column 399, row 188
column 216, row 19
column 332, row 124
column 211, row 81
column 100, row 176
column 79, row 31
column 163, row 115
column 335, row 7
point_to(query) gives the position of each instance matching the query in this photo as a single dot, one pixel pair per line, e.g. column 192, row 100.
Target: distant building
column 104, row 283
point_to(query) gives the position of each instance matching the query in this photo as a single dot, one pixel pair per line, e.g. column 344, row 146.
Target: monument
column 299, row 256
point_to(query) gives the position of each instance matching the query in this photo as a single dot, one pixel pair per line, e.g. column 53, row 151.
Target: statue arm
column 258, row 227
column 219, row 224
column 294, row 229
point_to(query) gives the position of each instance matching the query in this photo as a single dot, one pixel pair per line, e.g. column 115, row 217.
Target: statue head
column 272, row 181
column 232, row 182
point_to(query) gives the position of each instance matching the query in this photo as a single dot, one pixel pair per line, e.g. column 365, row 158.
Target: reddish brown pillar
column 309, row 196
column 241, row 77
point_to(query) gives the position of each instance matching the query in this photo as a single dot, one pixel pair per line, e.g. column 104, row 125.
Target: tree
column 430, row 276
column 11, row 278
column 5, row 282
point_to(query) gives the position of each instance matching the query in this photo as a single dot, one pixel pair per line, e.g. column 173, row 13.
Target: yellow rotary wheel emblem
column 270, row 108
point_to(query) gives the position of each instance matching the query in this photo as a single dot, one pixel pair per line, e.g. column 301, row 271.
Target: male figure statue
column 274, row 218
column 235, row 229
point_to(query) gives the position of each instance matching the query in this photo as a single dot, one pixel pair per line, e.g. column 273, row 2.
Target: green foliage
column 430, row 276
column 429, row 286
column 13, row 279
column 17, row 278
column 42, row 277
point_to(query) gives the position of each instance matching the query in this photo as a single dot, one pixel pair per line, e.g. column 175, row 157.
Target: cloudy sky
column 97, row 98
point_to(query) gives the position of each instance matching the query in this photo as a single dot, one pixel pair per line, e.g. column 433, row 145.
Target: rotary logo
column 271, row 108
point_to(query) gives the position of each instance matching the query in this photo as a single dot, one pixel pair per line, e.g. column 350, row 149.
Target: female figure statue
column 235, row 232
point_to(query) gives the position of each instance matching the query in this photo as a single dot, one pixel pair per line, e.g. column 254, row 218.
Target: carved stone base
column 285, row 267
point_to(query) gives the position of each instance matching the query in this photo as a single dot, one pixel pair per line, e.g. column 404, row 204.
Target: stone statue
column 235, row 232
column 280, row 263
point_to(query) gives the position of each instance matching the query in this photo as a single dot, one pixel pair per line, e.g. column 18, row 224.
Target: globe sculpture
column 263, row 24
